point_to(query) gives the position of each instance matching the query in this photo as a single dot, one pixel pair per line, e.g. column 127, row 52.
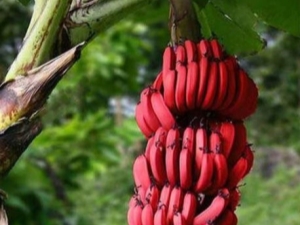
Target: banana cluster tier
column 197, row 151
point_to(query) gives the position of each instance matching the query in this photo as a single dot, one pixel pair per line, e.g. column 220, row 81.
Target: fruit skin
column 175, row 203
column 188, row 140
column 223, row 85
column 249, row 156
column 181, row 57
column 185, row 169
column 152, row 196
column 216, row 207
column 206, row 173
column 212, row 87
column 147, row 215
column 204, row 70
column 141, row 173
column 147, row 109
column 192, row 85
column 178, row 219
column 165, row 195
column 220, row 171
column 157, row 159
column 237, row 173
column 228, row 217
column 217, row 49
column 169, row 84
column 160, row 216
column 162, row 112
column 181, row 89
column 172, row 156
column 234, row 200
column 189, row 207
column 168, row 60
column 144, row 127
column 227, row 132
column 215, row 143
column 204, row 49
column 240, row 141
column 201, row 146
column 191, row 51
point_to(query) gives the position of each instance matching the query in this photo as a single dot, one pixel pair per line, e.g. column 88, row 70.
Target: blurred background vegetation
column 78, row 171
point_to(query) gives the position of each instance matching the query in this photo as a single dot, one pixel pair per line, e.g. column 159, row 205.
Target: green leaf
column 24, row 2
column 283, row 15
column 236, row 38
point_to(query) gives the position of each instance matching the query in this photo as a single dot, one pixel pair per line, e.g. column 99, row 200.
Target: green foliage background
column 78, row 171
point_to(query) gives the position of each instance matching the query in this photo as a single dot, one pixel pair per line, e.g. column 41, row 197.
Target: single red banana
column 139, row 117
column 206, row 173
column 212, row 212
column 169, row 83
column 192, row 85
column 175, row 203
column 181, row 57
column 152, row 196
column 237, row 173
column 165, row 195
column 227, row 132
column 249, row 156
column 231, row 68
column 204, row 69
column 141, row 173
column 212, row 87
column 240, row 141
column 160, row 216
column 188, row 140
column 181, row 88
column 191, row 51
column 137, row 215
column 147, row 215
column 201, row 146
column 150, row 142
column 172, row 156
column 204, row 49
column 130, row 215
column 157, row 161
column 178, row 219
column 158, row 82
column 241, row 95
column 189, row 207
column 217, row 49
column 185, row 169
column 227, row 218
column 220, row 171
column 148, row 112
column 169, row 60
column 223, row 85
column 162, row 112
column 234, row 199
column 215, row 143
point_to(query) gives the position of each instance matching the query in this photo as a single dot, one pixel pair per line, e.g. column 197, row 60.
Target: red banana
column 162, row 112
column 206, row 173
column 189, row 207
column 249, row 156
column 212, row 212
column 178, row 219
column 215, row 143
column 237, row 173
column 185, row 169
column 165, row 195
column 147, row 215
column 169, row 60
column 141, row 173
column 234, row 199
column 212, row 87
column 139, row 116
column 227, row 218
column 204, row 76
column 172, row 156
column 152, row 196
column 201, row 146
column 223, row 85
column 191, row 51
column 204, row 49
column 175, row 203
column 217, row 49
column 181, row 88
column 192, row 85
column 169, row 84
column 220, row 171
column 181, row 57
column 160, row 216
column 188, row 140
column 227, row 132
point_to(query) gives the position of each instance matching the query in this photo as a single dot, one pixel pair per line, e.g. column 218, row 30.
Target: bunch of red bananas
column 197, row 151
